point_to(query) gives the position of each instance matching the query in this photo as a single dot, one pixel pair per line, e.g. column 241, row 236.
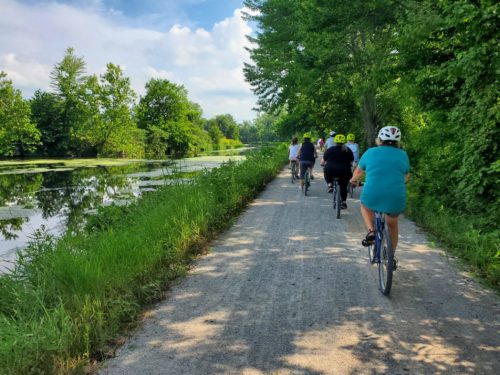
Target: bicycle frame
column 379, row 230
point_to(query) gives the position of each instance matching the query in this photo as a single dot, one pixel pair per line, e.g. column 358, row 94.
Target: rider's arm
column 356, row 175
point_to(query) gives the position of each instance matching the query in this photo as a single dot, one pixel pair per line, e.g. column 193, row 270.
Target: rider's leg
column 329, row 179
column 368, row 216
column 343, row 188
column 392, row 224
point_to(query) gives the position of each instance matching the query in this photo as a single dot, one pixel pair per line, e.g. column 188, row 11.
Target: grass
column 458, row 232
column 67, row 300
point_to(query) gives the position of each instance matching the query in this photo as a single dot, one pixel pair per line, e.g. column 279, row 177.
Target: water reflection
column 57, row 194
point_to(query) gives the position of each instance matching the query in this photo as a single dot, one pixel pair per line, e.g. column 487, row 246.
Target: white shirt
column 329, row 143
column 355, row 150
column 294, row 150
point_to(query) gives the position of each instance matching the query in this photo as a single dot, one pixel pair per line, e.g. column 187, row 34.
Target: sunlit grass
column 68, row 299
column 458, row 232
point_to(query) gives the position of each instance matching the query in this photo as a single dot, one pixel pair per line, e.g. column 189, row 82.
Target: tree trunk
column 369, row 113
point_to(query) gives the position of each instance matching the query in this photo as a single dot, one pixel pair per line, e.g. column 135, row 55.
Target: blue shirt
column 385, row 188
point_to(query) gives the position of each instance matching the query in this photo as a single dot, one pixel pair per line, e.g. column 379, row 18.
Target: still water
column 55, row 194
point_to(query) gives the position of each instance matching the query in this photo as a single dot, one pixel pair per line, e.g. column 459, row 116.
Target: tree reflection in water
column 63, row 192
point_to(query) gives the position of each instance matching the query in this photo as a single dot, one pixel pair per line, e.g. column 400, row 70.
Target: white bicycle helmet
column 390, row 133
column 332, row 133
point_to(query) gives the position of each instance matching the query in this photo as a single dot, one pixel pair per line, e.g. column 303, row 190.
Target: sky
column 196, row 43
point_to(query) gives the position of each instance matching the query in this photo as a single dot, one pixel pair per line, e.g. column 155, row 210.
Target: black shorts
column 303, row 167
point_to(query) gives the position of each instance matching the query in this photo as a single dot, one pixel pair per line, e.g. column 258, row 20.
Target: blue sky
column 197, row 43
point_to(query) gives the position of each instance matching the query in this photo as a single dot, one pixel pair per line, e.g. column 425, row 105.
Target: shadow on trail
column 301, row 298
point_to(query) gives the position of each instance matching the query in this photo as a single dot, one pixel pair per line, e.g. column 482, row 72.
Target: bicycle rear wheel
column 338, row 200
column 306, row 182
column 385, row 267
column 294, row 172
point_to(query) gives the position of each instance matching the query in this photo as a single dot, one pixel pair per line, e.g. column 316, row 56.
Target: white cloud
column 208, row 63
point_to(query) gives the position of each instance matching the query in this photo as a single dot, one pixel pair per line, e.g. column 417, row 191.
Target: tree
column 46, row 114
column 214, row 132
column 67, row 80
column 18, row 135
column 449, row 53
column 163, row 114
column 326, row 61
column 228, row 126
column 109, row 128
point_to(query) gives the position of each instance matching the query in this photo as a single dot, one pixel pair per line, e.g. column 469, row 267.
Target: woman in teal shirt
column 387, row 168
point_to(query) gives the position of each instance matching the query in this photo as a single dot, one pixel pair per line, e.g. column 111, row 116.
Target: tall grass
column 68, row 299
column 463, row 234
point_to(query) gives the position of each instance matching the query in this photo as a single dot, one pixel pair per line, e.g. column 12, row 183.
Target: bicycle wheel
column 293, row 172
column 338, row 200
column 306, row 181
column 385, row 267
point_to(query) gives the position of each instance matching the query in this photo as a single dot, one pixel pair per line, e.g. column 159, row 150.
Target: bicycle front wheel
column 385, row 267
column 350, row 190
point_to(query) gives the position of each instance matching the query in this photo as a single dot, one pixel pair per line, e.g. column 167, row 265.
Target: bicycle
column 337, row 200
column 381, row 252
column 350, row 190
column 294, row 171
column 307, row 181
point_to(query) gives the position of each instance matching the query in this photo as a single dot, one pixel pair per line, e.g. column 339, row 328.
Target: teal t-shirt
column 385, row 189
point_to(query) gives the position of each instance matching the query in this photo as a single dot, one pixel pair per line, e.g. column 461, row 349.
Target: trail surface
column 288, row 290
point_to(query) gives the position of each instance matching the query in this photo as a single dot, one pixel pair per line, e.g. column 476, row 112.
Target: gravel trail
column 289, row 290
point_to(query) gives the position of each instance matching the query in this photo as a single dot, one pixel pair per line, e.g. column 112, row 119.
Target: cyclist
column 307, row 155
column 354, row 148
column 387, row 170
column 330, row 140
column 293, row 150
column 337, row 162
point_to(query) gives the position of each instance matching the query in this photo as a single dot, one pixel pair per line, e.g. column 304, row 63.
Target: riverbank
column 59, row 193
column 67, row 300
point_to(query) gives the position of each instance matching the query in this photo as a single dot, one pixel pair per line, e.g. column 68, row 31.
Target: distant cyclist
column 351, row 138
column 307, row 156
column 293, row 151
column 330, row 142
column 387, row 170
column 337, row 162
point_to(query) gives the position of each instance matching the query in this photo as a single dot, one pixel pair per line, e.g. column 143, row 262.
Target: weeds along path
column 288, row 290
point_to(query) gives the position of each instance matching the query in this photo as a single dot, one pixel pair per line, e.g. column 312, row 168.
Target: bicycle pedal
column 366, row 243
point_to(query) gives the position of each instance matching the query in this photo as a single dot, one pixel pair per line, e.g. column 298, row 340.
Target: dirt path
column 288, row 290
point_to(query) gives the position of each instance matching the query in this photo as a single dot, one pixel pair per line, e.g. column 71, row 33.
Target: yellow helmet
column 307, row 135
column 351, row 137
column 339, row 138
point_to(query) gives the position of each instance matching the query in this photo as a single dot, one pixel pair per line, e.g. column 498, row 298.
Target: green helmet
column 339, row 138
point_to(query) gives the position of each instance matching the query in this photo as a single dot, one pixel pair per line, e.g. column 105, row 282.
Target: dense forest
column 429, row 67
column 90, row 115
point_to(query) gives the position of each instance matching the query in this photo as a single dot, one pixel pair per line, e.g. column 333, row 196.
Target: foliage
column 18, row 135
column 430, row 67
column 326, row 62
column 46, row 113
column 109, row 127
column 67, row 299
column 164, row 112
column 67, row 80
